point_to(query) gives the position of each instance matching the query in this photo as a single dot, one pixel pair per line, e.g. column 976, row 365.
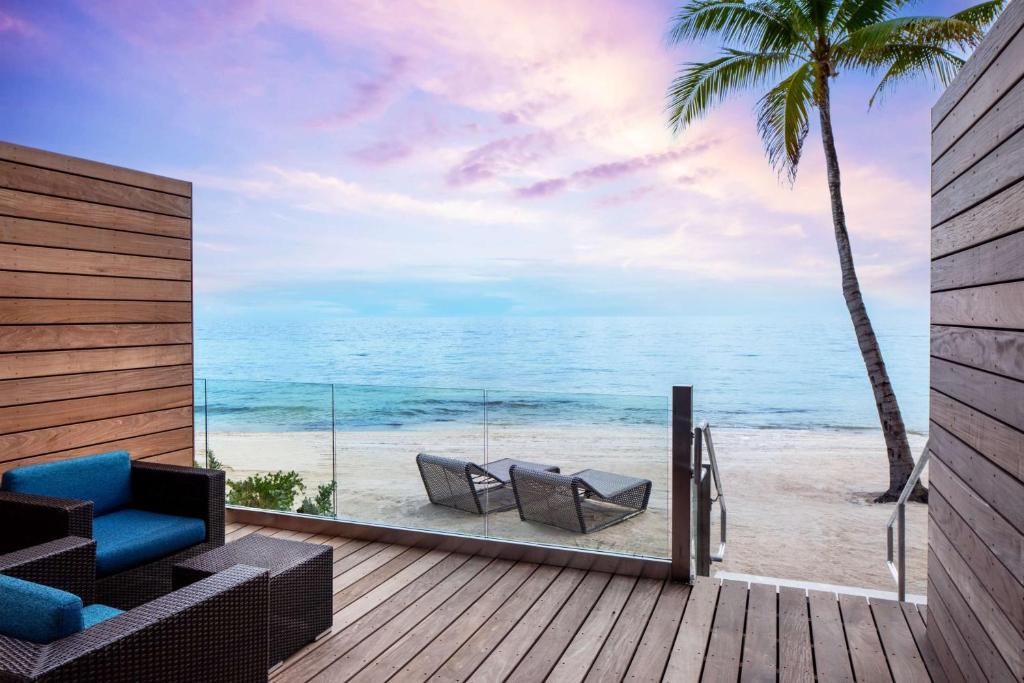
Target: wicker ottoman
column 300, row 586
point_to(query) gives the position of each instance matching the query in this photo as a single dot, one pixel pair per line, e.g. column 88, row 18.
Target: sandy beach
column 798, row 500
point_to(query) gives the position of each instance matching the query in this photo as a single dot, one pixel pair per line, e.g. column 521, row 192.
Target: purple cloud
column 633, row 195
column 543, row 189
column 383, row 152
column 370, row 95
column 12, row 24
column 609, row 171
column 501, row 156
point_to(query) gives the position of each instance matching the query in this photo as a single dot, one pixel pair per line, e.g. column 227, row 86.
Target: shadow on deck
column 412, row 614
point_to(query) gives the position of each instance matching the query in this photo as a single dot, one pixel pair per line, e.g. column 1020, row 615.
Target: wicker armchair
column 212, row 630
column 29, row 519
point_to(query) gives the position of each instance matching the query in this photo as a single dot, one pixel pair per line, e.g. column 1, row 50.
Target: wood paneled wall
column 976, row 511
column 95, row 310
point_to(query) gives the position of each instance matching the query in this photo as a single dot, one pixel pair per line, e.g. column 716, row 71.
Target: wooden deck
column 410, row 614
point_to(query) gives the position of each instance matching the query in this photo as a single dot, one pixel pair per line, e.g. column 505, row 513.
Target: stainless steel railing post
column 898, row 566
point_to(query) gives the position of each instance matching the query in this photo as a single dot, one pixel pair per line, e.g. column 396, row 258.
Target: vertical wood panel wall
column 976, row 512
column 95, row 310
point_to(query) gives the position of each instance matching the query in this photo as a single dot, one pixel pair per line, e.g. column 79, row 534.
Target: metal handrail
column 898, row 569
column 705, row 429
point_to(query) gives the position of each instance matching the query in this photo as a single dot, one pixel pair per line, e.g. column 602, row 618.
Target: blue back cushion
column 105, row 479
column 32, row 611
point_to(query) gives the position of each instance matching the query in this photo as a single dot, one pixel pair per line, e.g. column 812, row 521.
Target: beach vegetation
column 791, row 52
column 272, row 491
column 322, row 503
column 212, row 462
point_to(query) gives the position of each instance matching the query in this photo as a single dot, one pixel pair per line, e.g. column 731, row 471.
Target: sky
column 465, row 157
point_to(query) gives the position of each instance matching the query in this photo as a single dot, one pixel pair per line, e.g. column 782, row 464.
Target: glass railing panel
column 199, row 422
column 274, row 441
column 379, row 433
column 612, row 436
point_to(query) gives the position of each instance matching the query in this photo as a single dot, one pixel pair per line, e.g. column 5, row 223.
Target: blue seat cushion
column 41, row 614
column 127, row 538
column 94, row 614
column 105, row 479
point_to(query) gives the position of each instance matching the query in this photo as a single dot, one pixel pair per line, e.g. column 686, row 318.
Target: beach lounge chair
column 584, row 502
column 469, row 487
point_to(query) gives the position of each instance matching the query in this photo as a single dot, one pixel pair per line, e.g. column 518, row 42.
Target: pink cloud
column 371, row 95
column 609, row 171
column 178, row 26
column 636, row 194
column 12, row 24
column 383, row 152
column 501, row 156
column 543, row 188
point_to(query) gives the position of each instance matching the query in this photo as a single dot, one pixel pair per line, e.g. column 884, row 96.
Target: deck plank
column 419, row 666
column 417, row 578
column 725, row 645
column 655, row 648
column 905, row 661
column 356, row 589
column 585, row 646
column 423, row 613
column 831, row 656
column 617, row 651
column 688, row 651
column 357, row 565
column 373, row 667
column 408, row 614
column 461, row 665
column 447, row 575
column 241, row 532
column 357, row 556
column 796, row 658
column 504, row 658
column 355, row 571
column 866, row 653
column 538, row 662
column 759, row 643
column 915, row 620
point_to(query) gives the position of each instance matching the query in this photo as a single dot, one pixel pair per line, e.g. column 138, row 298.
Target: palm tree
column 794, row 48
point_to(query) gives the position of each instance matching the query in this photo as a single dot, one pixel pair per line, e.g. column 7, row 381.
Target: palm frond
column 818, row 13
column 982, row 14
column 910, row 61
column 852, row 15
column 872, row 46
column 700, row 86
column 782, row 119
column 758, row 23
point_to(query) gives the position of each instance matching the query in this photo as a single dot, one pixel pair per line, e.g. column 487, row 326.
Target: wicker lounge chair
column 469, row 487
column 145, row 517
column 212, row 630
column 584, row 502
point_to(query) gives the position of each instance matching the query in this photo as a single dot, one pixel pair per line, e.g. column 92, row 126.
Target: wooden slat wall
column 976, row 512
column 95, row 310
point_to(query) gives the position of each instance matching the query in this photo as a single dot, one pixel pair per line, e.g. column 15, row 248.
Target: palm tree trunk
column 901, row 462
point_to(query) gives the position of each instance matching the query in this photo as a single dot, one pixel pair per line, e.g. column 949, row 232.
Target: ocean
column 270, row 374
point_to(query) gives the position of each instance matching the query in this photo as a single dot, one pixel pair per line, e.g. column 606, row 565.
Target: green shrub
column 212, row 462
column 274, row 491
column 323, row 503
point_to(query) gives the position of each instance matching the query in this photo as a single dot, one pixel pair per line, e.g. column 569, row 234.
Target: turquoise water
column 746, row 372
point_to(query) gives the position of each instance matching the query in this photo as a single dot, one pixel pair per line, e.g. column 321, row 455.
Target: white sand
column 798, row 501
